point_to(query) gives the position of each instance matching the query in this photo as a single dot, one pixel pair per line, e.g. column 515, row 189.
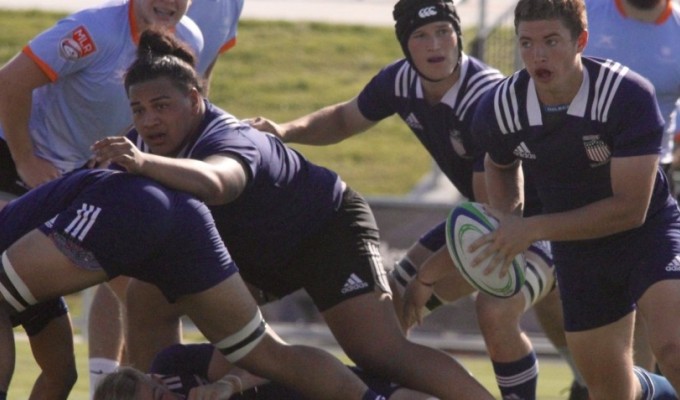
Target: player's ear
column 196, row 99
column 582, row 41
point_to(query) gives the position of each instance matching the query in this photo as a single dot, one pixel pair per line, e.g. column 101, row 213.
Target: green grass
column 283, row 70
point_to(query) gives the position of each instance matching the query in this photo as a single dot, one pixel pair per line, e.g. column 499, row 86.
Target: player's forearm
column 326, row 126
column 15, row 112
column 203, row 180
column 595, row 220
column 504, row 186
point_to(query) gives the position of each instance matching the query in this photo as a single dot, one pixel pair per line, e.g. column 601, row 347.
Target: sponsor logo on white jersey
column 427, row 12
column 674, row 265
column 353, row 283
column 522, row 151
column 413, row 122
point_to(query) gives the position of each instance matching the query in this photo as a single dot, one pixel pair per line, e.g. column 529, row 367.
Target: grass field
column 283, row 70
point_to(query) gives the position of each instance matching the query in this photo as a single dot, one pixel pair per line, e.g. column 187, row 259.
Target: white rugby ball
column 465, row 224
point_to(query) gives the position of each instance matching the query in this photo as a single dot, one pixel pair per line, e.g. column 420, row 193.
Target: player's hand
column 415, row 297
column 502, row 244
column 265, row 125
column 119, row 150
column 34, row 171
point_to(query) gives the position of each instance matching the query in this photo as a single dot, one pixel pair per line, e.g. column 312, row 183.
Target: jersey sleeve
column 234, row 141
column 487, row 134
column 376, row 100
column 70, row 46
column 640, row 126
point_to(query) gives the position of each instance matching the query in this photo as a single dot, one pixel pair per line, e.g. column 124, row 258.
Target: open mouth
column 436, row 59
column 542, row 73
column 155, row 138
column 163, row 13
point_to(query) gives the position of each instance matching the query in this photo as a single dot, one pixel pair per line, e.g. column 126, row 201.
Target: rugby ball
column 465, row 224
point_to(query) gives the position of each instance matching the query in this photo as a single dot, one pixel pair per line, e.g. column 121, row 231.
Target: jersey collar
column 134, row 29
column 660, row 20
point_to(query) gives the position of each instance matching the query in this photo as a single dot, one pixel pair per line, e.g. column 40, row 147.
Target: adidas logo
column 353, row 283
column 413, row 122
column 522, row 151
column 674, row 265
column 427, row 12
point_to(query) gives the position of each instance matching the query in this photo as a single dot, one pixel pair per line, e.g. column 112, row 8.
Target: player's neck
column 434, row 92
column 651, row 15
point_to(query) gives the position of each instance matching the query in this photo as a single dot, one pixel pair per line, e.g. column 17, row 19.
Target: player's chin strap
column 13, row 288
column 241, row 343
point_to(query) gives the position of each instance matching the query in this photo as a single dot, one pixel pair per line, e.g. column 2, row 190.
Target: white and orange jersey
column 85, row 55
column 218, row 21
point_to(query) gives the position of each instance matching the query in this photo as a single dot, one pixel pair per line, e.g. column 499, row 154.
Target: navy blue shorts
column 336, row 263
column 601, row 284
column 136, row 227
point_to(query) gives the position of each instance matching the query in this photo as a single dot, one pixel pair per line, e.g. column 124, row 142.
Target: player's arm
column 329, row 125
column 503, row 185
column 217, row 179
column 18, row 78
column 632, row 180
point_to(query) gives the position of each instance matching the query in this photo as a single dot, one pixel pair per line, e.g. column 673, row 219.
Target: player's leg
column 659, row 308
column 106, row 330
column 229, row 317
column 604, row 357
column 30, row 265
column 642, row 351
column 153, row 323
column 6, row 349
column 53, row 350
column 548, row 312
column 368, row 330
column 446, row 291
column 510, row 350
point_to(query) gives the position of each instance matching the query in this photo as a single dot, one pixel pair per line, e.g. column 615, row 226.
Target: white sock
column 99, row 368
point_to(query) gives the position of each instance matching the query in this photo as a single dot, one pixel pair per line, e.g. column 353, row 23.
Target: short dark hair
column 571, row 12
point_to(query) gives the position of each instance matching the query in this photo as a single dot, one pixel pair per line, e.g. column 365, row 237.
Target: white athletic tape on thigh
column 17, row 295
column 239, row 344
column 539, row 274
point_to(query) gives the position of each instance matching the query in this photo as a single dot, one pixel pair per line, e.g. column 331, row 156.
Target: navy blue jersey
column 614, row 114
column 287, row 198
column 127, row 225
column 444, row 128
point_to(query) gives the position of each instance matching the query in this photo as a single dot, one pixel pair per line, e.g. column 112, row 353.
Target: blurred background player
column 218, row 21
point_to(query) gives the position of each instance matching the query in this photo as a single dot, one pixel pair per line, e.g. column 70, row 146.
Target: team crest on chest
column 597, row 150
